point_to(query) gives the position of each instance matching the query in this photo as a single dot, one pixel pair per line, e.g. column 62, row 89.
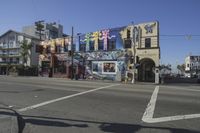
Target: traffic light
column 137, row 59
column 131, row 59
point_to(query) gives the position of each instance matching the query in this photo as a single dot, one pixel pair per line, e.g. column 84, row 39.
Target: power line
column 179, row 35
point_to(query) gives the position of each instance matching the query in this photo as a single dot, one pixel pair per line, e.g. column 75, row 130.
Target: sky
column 176, row 17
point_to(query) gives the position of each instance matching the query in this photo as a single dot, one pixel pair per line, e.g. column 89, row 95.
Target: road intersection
column 60, row 105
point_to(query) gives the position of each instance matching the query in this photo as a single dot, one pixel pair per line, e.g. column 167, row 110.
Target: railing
column 13, row 62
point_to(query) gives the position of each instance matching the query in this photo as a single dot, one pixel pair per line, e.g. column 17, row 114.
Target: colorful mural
column 105, row 40
column 96, row 36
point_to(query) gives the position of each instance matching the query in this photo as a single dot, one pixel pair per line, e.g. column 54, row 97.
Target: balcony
column 11, row 55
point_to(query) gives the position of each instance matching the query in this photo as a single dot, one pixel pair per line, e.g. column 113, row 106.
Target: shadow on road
column 108, row 127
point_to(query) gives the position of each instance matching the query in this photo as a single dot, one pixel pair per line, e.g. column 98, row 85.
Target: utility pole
column 39, row 27
column 72, row 53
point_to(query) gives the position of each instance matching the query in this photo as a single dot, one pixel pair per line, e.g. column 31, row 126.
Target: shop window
column 148, row 43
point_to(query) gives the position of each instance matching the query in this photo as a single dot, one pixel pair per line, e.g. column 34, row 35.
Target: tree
column 25, row 51
column 181, row 68
column 165, row 69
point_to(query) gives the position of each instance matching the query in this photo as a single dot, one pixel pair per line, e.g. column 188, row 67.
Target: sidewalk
column 9, row 121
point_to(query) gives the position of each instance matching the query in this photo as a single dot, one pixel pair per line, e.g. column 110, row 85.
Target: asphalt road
column 41, row 105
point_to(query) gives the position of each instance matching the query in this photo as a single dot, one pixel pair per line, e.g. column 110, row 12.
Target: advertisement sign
column 109, row 67
column 104, row 67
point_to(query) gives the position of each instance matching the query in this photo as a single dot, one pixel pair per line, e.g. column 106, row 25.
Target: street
column 39, row 105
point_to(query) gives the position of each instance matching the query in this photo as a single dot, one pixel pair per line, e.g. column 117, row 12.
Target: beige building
column 145, row 48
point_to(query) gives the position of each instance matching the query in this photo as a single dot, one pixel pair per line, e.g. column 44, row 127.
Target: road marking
column 149, row 112
column 63, row 98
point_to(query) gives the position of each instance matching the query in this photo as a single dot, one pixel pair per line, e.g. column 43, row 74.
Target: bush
column 27, row 71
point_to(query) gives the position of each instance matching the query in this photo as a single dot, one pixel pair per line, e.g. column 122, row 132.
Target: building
column 126, row 53
column 50, row 31
column 10, row 50
column 192, row 66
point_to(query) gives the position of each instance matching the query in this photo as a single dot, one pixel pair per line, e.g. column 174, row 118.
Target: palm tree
column 25, row 51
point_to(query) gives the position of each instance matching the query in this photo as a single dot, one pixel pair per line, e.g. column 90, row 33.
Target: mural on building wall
column 96, row 36
column 149, row 28
column 105, row 64
column 105, row 40
column 103, row 52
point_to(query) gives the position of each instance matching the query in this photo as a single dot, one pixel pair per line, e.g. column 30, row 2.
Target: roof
column 19, row 33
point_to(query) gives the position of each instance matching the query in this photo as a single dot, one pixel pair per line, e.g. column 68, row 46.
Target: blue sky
column 175, row 17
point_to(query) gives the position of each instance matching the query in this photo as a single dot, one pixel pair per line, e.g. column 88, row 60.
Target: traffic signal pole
column 134, row 53
column 72, row 53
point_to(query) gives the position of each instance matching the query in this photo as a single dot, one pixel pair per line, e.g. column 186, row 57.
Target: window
column 57, row 48
column 4, row 45
column 128, row 33
column 4, row 60
column 92, row 46
column 65, row 47
column 11, row 45
column 148, row 43
column 17, row 60
column 127, row 43
column 11, row 60
column 82, row 47
column 100, row 46
column 112, row 44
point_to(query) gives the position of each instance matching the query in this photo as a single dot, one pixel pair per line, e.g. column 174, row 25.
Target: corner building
column 112, row 54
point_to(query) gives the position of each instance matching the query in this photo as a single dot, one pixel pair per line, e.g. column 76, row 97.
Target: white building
column 192, row 66
column 10, row 50
column 50, row 31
